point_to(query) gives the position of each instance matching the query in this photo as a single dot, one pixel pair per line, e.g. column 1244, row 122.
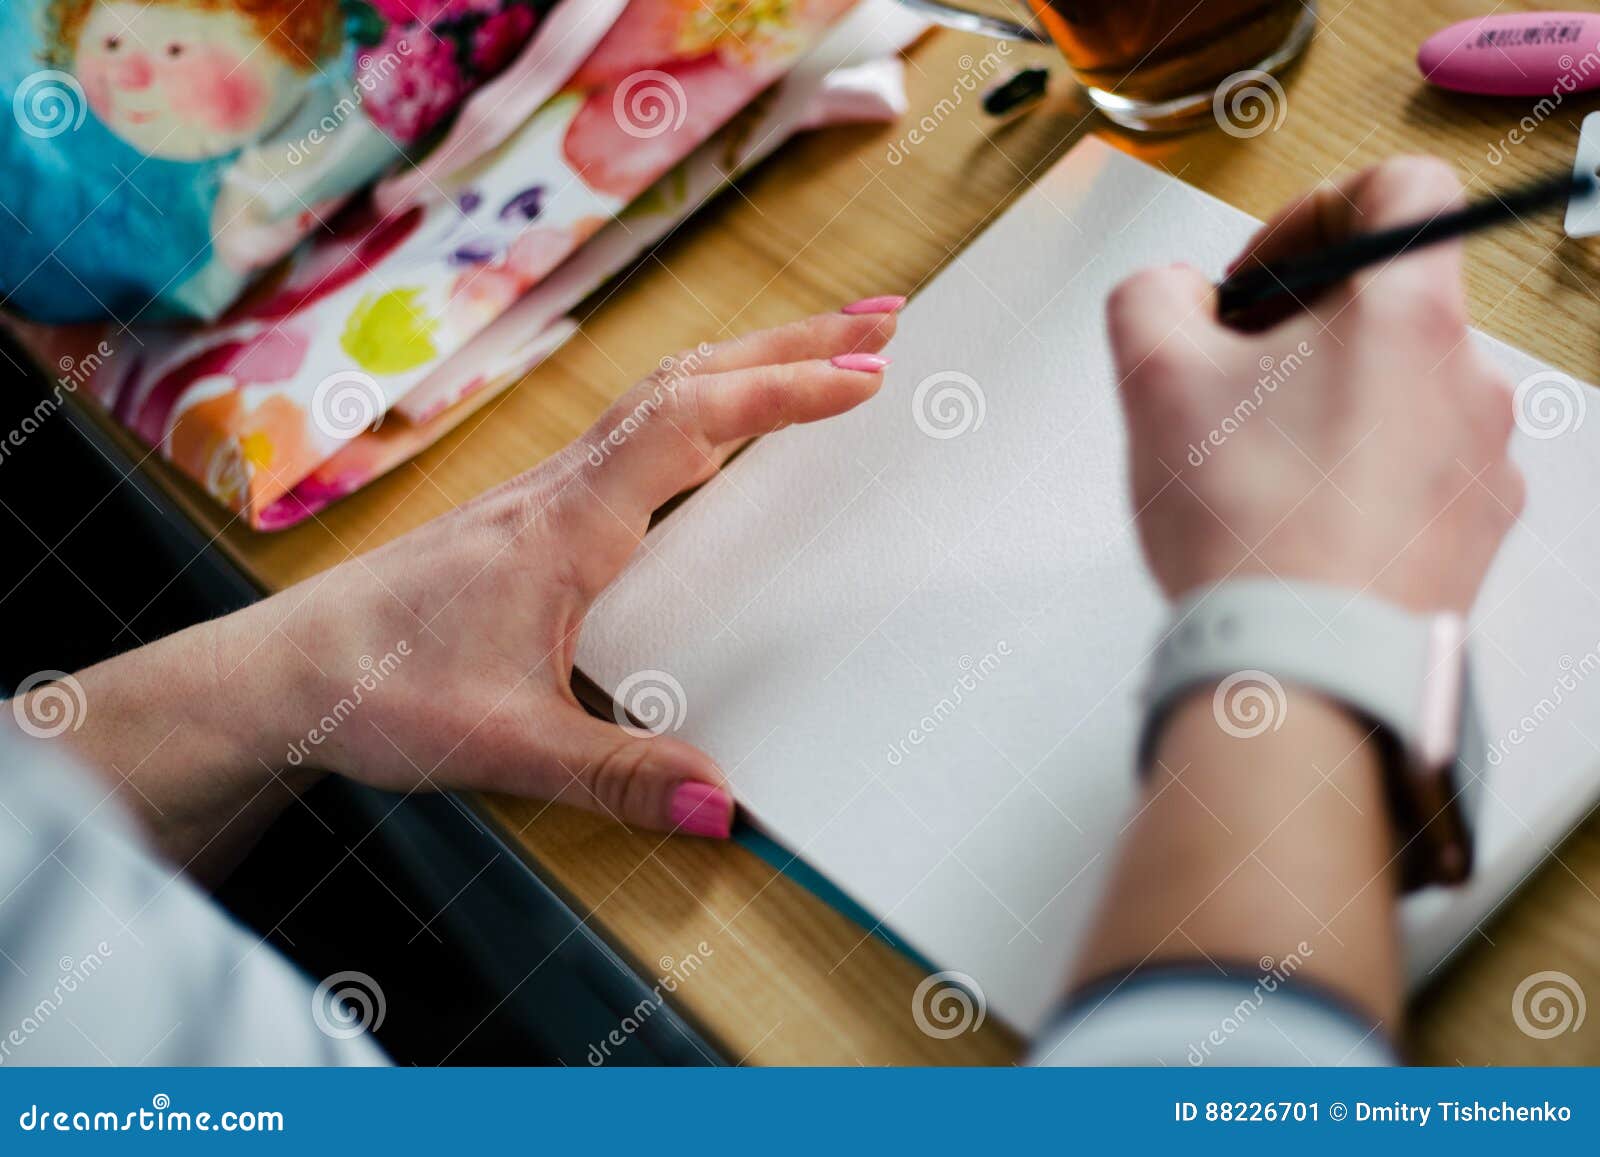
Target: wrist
column 188, row 745
column 1400, row 673
column 317, row 695
column 1244, row 846
column 1311, row 741
column 268, row 690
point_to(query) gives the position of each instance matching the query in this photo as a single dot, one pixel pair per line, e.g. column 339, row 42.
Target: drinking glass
column 1153, row 65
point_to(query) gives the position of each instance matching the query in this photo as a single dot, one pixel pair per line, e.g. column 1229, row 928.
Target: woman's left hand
column 460, row 636
column 444, row 659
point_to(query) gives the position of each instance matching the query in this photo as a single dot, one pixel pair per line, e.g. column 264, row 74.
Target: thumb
column 644, row 780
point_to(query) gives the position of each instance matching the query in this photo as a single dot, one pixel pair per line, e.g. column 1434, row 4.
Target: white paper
column 918, row 656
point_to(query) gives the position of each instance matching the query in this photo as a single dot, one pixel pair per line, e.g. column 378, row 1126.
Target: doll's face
column 182, row 83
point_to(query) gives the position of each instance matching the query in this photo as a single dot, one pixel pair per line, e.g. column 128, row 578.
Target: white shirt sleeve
column 108, row 956
column 1184, row 1016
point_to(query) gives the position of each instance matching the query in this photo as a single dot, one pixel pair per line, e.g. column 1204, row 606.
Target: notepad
column 914, row 636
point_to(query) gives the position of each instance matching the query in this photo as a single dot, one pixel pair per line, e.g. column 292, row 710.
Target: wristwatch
column 1403, row 673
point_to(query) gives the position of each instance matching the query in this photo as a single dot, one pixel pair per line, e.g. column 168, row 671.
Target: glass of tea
column 1150, row 65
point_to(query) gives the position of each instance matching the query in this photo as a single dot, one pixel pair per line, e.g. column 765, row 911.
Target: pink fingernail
column 698, row 809
column 863, row 363
column 888, row 303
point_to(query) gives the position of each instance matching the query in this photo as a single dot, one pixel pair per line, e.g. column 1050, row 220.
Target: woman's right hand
column 1360, row 442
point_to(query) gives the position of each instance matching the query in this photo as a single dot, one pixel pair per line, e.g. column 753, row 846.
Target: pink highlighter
column 1515, row 54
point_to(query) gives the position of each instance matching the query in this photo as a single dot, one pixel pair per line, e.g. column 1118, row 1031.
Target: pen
column 1306, row 275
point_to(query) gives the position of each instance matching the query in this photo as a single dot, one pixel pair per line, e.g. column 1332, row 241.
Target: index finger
column 657, row 442
column 1319, row 218
column 1398, row 192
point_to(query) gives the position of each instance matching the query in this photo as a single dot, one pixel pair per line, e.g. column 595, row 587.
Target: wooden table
column 830, row 219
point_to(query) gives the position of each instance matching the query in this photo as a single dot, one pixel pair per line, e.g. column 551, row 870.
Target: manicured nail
column 698, row 809
column 863, row 363
column 888, row 303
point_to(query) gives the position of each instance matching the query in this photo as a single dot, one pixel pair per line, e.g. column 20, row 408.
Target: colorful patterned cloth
column 163, row 152
column 304, row 391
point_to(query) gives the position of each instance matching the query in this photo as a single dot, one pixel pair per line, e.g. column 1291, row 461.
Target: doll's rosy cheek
column 94, row 74
column 218, row 90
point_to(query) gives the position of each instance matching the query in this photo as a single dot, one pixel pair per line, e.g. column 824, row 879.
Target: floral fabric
column 391, row 328
column 163, row 152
